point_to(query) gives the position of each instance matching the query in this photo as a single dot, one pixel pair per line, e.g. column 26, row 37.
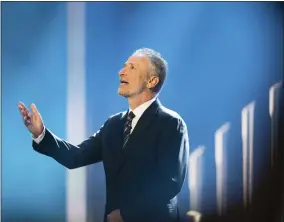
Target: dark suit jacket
column 143, row 178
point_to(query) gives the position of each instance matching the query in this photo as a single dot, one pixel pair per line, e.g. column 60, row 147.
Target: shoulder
column 113, row 120
column 117, row 116
column 171, row 118
column 168, row 113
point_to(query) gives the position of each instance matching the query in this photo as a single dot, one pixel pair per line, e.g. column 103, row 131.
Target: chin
column 121, row 93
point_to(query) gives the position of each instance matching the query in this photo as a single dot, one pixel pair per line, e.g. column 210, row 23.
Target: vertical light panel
column 247, row 140
column 195, row 178
column 76, row 109
column 0, row 115
column 195, row 215
column 274, row 100
column 221, row 166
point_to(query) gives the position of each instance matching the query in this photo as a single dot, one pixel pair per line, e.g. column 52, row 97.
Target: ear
column 153, row 81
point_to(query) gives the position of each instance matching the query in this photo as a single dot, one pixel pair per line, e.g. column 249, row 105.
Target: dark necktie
column 127, row 127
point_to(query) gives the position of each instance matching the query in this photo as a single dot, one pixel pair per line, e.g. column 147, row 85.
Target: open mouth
column 123, row 82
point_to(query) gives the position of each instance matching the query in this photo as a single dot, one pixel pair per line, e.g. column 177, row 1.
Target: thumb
column 34, row 109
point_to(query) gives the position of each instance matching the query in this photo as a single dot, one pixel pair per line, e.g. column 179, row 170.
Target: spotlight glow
column 221, row 166
column 195, row 214
column 76, row 204
column 274, row 100
column 247, row 140
column 195, row 177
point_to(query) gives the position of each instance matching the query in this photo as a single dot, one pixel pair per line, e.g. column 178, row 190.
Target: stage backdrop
column 33, row 71
column 223, row 59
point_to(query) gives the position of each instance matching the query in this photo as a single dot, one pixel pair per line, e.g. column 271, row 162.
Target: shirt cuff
column 40, row 137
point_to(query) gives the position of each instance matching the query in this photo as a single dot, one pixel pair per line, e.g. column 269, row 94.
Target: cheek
column 143, row 79
column 141, row 82
column 137, row 81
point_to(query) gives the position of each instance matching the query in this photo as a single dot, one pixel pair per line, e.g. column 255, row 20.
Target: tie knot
column 130, row 116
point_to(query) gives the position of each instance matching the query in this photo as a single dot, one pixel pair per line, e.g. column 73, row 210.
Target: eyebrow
column 129, row 63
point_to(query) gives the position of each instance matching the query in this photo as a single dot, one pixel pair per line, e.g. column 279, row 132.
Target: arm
column 173, row 153
column 69, row 155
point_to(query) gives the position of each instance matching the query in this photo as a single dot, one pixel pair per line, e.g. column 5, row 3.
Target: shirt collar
column 141, row 109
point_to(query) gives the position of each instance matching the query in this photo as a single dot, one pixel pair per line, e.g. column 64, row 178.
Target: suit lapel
column 144, row 121
column 141, row 125
column 121, row 129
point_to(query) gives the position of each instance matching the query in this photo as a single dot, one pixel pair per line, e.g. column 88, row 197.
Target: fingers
column 27, row 120
column 34, row 109
column 26, row 115
column 22, row 106
column 23, row 109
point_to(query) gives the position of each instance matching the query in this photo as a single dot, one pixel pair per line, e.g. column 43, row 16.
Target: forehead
column 138, row 59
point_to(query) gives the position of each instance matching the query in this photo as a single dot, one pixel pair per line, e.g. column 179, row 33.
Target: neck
column 138, row 100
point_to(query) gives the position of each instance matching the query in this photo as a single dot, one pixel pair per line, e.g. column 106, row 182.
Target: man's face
column 134, row 76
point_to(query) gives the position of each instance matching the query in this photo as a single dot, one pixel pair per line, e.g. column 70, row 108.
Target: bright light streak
column 274, row 100
column 195, row 177
column 195, row 214
column 247, row 140
column 76, row 209
column 221, row 166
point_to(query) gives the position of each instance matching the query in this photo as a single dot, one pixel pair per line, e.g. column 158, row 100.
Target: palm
column 32, row 120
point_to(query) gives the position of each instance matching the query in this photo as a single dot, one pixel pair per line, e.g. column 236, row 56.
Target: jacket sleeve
column 173, row 154
column 69, row 155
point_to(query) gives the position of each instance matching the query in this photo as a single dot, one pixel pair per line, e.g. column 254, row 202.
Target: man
column 144, row 150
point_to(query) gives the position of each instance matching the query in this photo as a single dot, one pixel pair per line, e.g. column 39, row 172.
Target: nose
column 122, row 72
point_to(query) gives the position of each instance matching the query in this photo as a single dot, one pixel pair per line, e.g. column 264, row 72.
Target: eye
column 132, row 66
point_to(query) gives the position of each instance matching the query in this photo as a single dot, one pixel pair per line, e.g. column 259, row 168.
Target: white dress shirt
column 138, row 112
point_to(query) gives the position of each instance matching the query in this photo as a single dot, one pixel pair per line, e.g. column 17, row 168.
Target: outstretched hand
column 32, row 120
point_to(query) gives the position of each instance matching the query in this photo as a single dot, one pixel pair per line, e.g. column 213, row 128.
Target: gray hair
column 159, row 65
